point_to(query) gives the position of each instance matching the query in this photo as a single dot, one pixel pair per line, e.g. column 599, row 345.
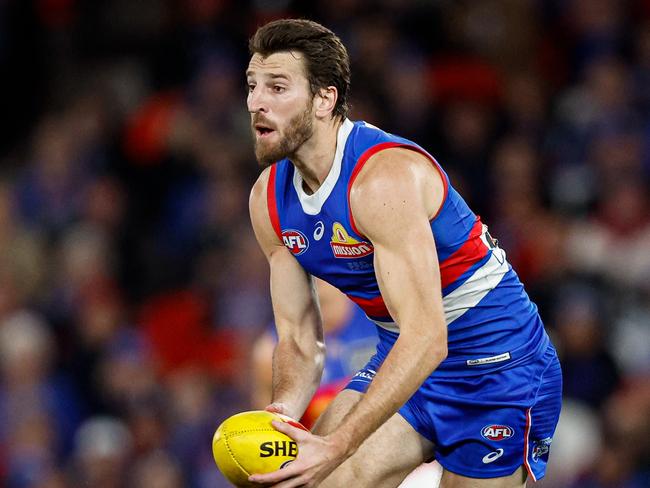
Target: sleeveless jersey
column 491, row 322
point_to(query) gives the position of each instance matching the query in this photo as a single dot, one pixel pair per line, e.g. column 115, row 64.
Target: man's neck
column 314, row 159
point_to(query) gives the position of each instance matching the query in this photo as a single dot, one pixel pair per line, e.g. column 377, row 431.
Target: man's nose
column 257, row 101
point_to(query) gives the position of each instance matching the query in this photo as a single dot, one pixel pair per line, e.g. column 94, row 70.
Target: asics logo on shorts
column 492, row 456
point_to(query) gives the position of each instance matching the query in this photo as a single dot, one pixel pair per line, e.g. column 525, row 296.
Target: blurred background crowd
column 131, row 286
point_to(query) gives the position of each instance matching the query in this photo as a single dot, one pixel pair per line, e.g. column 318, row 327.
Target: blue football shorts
column 486, row 426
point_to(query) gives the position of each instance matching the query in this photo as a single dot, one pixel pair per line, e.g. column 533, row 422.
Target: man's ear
column 325, row 101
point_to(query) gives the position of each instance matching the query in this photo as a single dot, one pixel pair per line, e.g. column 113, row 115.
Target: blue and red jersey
column 491, row 321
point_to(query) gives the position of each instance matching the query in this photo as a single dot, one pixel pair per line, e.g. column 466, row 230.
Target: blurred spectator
column 197, row 409
column 158, row 470
column 102, row 450
column 597, row 28
column 467, row 128
column 244, row 303
column 590, row 373
column 622, row 460
column 410, row 101
column 22, row 257
column 630, row 340
column 641, row 68
column 126, row 373
column 614, row 245
column 525, row 104
column 39, row 406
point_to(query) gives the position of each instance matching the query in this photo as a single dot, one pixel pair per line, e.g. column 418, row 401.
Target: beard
column 299, row 129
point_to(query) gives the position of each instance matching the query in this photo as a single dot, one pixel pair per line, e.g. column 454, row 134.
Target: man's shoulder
column 392, row 164
column 398, row 174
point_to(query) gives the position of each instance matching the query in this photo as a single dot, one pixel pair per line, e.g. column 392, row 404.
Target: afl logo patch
column 497, row 432
column 295, row 241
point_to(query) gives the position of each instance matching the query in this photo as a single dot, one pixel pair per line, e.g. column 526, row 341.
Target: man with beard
column 464, row 370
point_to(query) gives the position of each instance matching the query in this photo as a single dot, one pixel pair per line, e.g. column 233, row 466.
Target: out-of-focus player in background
column 350, row 338
column 464, row 369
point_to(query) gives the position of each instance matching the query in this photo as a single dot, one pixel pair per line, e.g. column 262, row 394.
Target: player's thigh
column 384, row 459
column 453, row 480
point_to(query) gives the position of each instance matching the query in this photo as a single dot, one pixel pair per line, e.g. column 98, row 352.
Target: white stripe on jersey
column 471, row 292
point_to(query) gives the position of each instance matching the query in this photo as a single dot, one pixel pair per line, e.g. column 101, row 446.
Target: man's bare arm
column 392, row 200
column 299, row 355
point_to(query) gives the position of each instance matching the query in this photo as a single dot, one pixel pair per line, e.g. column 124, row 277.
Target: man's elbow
column 437, row 347
column 431, row 344
column 439, row 352
column 319, row 354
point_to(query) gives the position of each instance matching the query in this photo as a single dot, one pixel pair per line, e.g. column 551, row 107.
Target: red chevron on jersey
column 374, row 307
column 467, row 255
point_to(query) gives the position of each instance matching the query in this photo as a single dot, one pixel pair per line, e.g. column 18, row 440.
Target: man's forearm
column 409, row 363
column 296, row 375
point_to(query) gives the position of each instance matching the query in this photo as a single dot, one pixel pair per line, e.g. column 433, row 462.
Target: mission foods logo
column 344, row 246
column 497, row 432
column 295, row 241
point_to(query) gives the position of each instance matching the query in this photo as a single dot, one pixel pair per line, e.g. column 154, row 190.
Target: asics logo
column 492, row 456
column 320, row 229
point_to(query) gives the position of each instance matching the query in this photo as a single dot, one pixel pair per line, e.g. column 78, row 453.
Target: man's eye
column 250, row 87
column 278, row 89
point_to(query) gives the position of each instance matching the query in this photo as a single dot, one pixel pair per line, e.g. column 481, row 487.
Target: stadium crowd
column 131, row 286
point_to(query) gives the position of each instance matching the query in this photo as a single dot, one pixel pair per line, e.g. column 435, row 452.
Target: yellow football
column 247, row 443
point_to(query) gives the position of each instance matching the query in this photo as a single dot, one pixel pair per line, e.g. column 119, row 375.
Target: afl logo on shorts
column 295, row 241
column 497, row 432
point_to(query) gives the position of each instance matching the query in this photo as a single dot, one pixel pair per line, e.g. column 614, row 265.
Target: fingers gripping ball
column 247, row 443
